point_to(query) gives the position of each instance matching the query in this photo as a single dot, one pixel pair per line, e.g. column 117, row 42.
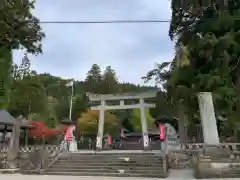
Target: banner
column 161, row 131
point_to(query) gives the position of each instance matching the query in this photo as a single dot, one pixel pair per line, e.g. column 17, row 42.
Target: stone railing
column 187, row 155
column 232, row 146
column 49, row 148
column 180, row 159
column 32, row 158
column 38, row 157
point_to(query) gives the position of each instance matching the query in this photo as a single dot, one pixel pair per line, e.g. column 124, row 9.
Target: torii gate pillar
column 144, row 125
column 101, row 125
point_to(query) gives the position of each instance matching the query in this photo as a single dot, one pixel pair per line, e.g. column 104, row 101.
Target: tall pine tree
column 93, row 79
column 109, row 83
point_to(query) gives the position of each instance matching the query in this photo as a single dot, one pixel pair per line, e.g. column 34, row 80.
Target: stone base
column 9, row 171
column 216, row 152
column 146, row 148
column 73, row 146
column 216, row 166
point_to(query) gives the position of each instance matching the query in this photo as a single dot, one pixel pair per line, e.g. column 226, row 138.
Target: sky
column 69, row 50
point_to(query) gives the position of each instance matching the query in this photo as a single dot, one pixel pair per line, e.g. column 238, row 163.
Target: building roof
column 68, row 122
column 6, row 118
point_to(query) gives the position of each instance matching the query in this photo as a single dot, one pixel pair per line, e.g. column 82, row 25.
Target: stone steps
column 111, row 161
column 107, row 170
column 162, row 175
column 91, row 167
column 67, row 164
column 117, row 165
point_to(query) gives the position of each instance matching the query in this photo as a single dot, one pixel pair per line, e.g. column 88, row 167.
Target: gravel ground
column 175, row 175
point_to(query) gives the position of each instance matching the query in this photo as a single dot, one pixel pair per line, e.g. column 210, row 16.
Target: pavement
column 174, row 175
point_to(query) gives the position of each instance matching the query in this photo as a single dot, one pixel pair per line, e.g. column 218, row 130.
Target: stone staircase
column 145, row 164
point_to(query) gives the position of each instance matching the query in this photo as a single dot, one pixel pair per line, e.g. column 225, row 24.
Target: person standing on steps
column 67, row 137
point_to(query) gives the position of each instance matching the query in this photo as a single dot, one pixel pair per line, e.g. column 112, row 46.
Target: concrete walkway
column 175, row 175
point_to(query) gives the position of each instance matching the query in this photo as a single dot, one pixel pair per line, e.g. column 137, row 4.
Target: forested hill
column 56, row 87
column 46, row 97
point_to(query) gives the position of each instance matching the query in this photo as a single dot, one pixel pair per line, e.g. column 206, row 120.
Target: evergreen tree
column 62, row 109
column 79, row 106
column 28, row 96
column 5, row 76
column 109, row 83
column 93, row 79
column 19, row 30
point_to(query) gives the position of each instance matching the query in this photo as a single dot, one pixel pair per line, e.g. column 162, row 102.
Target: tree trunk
column 181, row 124
column 238, row 90
column 5, row 76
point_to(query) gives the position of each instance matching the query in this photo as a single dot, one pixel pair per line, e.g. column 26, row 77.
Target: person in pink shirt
column 67, row 137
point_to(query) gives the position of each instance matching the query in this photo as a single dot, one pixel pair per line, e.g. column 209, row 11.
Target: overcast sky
column 131, row 49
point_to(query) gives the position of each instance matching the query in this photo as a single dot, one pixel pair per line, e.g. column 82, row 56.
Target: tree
column 50, row 116
column 172, row 102
column 93, row 79
column 28, row 96
column 210, row 35
column 62, row 109
column 23, row 70
column 19, row 30
column 125, row 118
column 41, row 131
column 79, row 106
column 5, row 77
column 88, row 123
column 109, row 83
column 163, row 107
column 136, row 120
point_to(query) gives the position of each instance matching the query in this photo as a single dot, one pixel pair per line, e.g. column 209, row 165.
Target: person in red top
column 67, row 137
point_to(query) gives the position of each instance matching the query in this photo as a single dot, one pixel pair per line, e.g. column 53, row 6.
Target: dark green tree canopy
column 18, row 27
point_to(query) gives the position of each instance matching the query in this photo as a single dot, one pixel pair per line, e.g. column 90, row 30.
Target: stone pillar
column 208, row 119
column 13, row 147
column 99, row 143
column 144, row 125
column 26, row 136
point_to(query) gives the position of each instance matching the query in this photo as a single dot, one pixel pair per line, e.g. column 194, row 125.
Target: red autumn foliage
column 40, row 130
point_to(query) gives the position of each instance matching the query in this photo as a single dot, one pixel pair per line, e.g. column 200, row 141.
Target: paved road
column 175, row 175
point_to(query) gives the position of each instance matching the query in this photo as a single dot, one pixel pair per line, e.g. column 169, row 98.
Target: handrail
column 41, row 160
column 54, row 159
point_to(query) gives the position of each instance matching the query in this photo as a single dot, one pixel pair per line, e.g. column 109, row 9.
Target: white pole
column 71, row 102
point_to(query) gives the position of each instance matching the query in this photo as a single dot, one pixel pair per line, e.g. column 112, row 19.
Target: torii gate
column 121, row 97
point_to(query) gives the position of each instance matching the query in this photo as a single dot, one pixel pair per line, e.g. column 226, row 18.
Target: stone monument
column 208, row 119
column 215, row 161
